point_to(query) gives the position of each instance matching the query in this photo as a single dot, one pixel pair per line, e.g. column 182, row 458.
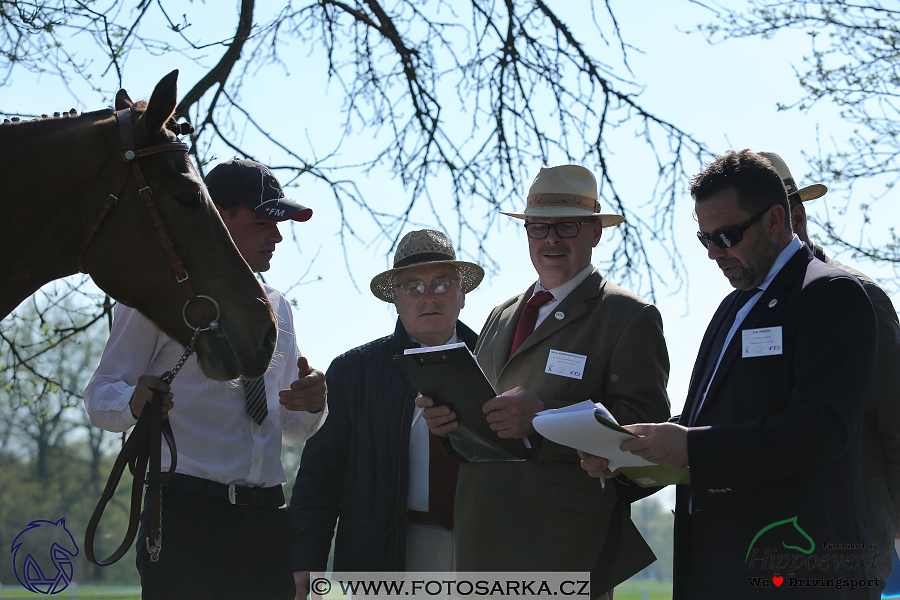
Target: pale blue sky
column 725, row 95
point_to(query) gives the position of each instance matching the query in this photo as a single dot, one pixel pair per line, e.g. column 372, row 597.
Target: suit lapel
column 777, row 292
column 572, row 307
column 706, row 343
column 506, row 328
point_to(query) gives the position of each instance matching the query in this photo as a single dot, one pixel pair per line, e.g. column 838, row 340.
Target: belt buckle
column 231, row 494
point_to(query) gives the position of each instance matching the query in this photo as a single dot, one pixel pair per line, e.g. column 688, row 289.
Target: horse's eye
column 190, row 199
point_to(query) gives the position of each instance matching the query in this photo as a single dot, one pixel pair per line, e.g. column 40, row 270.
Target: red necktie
column 528, row 319
column 442, row 472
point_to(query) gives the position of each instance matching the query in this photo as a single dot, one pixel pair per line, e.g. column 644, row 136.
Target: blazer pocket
column 580, row 500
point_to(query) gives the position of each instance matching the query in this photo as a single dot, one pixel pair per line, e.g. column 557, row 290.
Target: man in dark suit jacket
column 881, row 423
column 542, row 514
column 373, row 472
column 771, row 428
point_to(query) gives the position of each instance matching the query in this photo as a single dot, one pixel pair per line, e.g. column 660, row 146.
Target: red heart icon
column 778, row 581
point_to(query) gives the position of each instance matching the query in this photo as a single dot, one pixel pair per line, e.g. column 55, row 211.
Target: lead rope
column 154, row 482
column 144, row 446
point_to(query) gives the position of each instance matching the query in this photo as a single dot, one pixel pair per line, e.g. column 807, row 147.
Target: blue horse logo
column 35, row 542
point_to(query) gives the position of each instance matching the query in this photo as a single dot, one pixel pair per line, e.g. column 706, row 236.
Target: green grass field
column 82, row 592
column 635, row 590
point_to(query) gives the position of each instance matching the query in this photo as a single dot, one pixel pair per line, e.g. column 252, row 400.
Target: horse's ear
column 122, row 100
column 162, row 102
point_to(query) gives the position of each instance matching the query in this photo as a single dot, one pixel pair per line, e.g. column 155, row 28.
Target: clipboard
column 451, row 376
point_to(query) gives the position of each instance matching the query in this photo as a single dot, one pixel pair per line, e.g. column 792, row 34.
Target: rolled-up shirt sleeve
column 299, row 426
column 132, row 344
column 296, row 426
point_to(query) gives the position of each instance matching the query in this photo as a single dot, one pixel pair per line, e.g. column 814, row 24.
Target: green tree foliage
column 53, row 462
column 66, row 493
column 657, row 524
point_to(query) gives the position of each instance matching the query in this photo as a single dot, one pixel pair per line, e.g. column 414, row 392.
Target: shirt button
column 255, row 428
column 256, row 460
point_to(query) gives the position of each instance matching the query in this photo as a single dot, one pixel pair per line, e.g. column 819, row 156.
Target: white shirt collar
column 453, row 340
column 783, row 257
column 561, row 291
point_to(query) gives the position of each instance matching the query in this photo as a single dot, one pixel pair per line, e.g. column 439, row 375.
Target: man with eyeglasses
column 543, row 514
column 771, row 428
column 383, row 478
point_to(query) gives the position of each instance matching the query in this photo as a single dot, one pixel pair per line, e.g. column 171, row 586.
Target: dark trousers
column 216, row 550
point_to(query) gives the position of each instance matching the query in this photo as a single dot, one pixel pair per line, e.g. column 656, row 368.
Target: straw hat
column 565, row 191
column 810, row 192
column 425, row 247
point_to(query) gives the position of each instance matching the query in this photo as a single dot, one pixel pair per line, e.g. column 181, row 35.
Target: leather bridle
column 141, row 452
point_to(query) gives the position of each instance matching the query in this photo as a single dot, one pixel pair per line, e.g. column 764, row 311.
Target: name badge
column 761, row 342
column 565, row 364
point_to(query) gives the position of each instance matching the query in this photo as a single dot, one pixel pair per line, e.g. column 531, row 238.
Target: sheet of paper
column 434, row 348
column 575, row 426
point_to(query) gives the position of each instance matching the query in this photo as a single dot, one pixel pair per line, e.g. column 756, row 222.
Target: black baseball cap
column 249, row 183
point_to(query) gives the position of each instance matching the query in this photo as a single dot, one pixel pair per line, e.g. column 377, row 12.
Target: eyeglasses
column 730, row 236
column 566, row 229
column 417, row 288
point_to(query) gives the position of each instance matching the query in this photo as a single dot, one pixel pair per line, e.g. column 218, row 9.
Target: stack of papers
column 591, row 428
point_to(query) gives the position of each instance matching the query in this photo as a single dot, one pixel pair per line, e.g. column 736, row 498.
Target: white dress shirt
column 559, row 293
column 784, row 256
column 214, row 435
column 419, row 458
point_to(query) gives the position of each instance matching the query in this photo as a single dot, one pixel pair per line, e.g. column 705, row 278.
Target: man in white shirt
column 227, row 531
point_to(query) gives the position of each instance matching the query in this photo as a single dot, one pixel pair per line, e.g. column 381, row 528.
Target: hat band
column 421, row 258
column 573, row 200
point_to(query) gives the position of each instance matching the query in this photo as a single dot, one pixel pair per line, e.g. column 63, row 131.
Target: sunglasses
column 730, row 236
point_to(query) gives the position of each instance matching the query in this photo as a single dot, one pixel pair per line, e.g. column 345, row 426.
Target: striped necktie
column 255, row 392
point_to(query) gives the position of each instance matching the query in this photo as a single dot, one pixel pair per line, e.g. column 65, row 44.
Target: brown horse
column 56, row 175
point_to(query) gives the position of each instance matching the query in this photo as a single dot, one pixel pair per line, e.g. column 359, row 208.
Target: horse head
column 71, row 200
column 227, row 291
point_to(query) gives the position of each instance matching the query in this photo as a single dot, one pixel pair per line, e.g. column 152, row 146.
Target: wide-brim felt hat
column 252, row 184
column 425, row 247
column 565, row 191
column 810, row 192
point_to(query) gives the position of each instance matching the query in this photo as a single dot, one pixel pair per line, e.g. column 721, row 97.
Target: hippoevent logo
column 798, row 556
column 792, row 522
column 42, row 556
